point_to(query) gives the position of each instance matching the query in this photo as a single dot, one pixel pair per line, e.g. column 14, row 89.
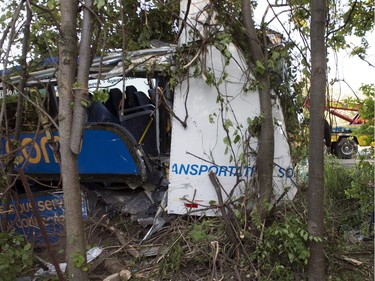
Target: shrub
column 15, row 256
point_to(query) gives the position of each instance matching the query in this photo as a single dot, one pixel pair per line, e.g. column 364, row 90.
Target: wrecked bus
column 159, row 130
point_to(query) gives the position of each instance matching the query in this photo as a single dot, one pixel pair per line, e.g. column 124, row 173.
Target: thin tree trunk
column 24, row 73
column 316, row 128
column 264, row 162
column 19, row 111
column 5, row 61
column 82, row 94
column 75, row 242
column 3, row 111
column 10, row 26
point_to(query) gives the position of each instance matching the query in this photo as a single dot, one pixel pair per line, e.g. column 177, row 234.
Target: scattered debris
column 352, row 261
column 159, row 220
column 150, row 251
column 123, row 275
column 49, row 270
column 355, row 236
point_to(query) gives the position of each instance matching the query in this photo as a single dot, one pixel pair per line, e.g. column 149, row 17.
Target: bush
column 361, row 190
column 15, row 256
column 283, row 253
column 349, row 195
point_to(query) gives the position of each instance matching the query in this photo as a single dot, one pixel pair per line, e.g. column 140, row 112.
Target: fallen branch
column 227, row 216
column 350, row 260
column 121, row 238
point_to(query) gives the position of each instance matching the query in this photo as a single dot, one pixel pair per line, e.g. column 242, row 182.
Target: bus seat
column 141, row 98
column 130, row 99
column 136, row 123
column 114, row 100
column 99, row 113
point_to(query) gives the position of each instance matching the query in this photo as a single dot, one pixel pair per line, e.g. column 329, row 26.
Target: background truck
column 344, row 138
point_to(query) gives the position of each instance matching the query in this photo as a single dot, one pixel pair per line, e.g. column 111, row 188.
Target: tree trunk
column 24, row 73
column 3, row 116
column 82, row 94
column 316, row 128
column 12, row 30
column 264, row 162
column 75, row 242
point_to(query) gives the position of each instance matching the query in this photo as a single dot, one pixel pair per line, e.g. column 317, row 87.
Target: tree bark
column 12, row 30
column 3, row 116
column 264, row 162
column 75, row 242
column 316, row 136
column 81, row 95
column 24, row 73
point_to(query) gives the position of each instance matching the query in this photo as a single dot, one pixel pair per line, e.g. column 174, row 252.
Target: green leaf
column 51, row 4
column 228, row 123
column 260, row 67
column 291, row 257
column 99, row 3
column 271, row 64
column 211, row 119
column 226, row 141
column 237, row 138
column 77, row 85
column 27, row 247
column 101, row 95
column 84, row 103
column 227, row 54
column 275, row 55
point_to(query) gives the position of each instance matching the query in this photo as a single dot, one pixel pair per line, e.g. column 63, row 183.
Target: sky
column 350, row 72
column 352, row 69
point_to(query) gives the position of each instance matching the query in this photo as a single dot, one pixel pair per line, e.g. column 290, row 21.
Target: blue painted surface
column 104, row 151
column 341, row 130
column 51, row 209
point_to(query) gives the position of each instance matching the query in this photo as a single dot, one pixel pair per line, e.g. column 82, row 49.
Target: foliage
column 15, row 256
column 283, row 252
column 203, row 231
column 140, row 23
column 171, row 262
column 44, row 31
column 362, row 191
column 284, row 72
column 366, row 110
column 348, row 203
column 190, row 246
column 100, row 95
column 30, row 115
column 353, row 19
column 349, row 196
column 79, row 261
column 340, row 210
column 283, row 249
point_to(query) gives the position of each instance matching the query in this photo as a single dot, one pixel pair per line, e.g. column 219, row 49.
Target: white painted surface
column 199, row 148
